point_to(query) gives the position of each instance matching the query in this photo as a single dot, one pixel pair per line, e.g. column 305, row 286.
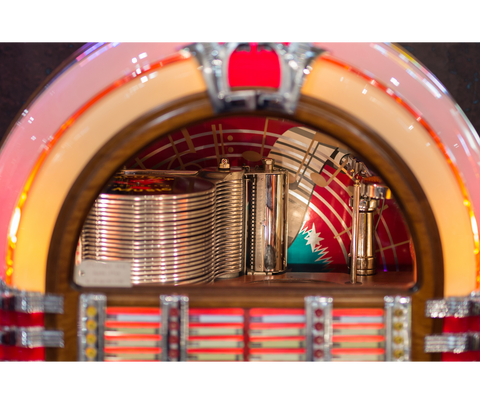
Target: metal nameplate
column 112, row 274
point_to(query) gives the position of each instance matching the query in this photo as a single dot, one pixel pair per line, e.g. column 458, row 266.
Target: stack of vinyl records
column 164, row 225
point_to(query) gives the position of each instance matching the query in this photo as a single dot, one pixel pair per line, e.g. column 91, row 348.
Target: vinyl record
column 163, row 225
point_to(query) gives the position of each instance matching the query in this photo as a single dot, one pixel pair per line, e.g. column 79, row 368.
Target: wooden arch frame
column 193, row 109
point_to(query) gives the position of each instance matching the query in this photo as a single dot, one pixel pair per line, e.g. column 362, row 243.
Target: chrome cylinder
column 364, row 240
column 366, row 245
column 267, row 220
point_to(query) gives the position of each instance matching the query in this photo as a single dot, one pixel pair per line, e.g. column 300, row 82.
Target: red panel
column 455, row 325
column 461, row 357
column 30, row 320
column 255, row 68
column 459, row 325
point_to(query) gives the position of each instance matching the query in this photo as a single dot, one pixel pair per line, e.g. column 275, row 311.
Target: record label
column 140, row 184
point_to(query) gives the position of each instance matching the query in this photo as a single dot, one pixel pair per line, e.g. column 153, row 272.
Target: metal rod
column 355, row 216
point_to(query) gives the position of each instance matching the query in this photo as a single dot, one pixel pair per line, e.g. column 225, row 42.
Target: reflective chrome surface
column 295, row 60
column 91, row 327
column 451, row 307
column 364, row 202
column 31, row 337
column 319, row 328
column 229, row 219
column 453, row 343
column 30, row 302
column 398, row 332
column 267, row 221
column 174, row 329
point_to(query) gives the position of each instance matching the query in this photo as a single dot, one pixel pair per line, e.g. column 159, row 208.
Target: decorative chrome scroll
column 319, row 332
column 91, row 327
column 295, row 60
column 454, row 343
column 456, row 307
column 32, row 337
column 174, row 328
column 30, row 302
column 398, row 328
column 453, row 307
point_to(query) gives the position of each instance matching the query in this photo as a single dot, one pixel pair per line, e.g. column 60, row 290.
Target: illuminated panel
column 216, row 334
column 132, row 334
column 358, row 335
column 232, row 334
column 276, row 334
column 253, row 66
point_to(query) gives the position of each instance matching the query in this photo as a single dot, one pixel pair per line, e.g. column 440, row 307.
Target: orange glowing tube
column 17, row 214
column 439, row 144
column 358, row 338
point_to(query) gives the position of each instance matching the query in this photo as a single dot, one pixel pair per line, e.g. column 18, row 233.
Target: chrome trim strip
column 174, row 330
column 319, row 330
column 398, row 319
column 457, row 307
column 453, row 343
column 99, row 303
column 30, row 302
column 33, row 337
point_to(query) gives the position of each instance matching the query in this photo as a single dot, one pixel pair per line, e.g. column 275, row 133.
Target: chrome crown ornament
column 295, row 61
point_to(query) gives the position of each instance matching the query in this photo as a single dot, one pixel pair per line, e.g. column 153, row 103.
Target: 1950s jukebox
column 236, row 201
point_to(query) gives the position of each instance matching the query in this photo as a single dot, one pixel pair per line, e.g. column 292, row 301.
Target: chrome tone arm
column 295, row 63
column 319, row 330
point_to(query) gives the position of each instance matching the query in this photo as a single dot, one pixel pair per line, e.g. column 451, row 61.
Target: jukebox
column 240, row 201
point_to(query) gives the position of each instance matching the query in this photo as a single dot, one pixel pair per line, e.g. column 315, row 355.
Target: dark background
column 24, row 66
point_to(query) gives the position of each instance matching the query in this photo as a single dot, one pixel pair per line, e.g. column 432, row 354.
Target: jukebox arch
column 158, row 102
column 174, row 92
column 331, row 121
